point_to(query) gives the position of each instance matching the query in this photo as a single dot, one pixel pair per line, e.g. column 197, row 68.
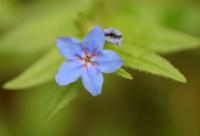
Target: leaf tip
column 15, row 84
column 123, row 73
column 9, row 85
column 180, row 77
column 183, row 79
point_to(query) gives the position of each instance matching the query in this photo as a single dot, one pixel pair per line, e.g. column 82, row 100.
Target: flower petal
column 95, row 39
column 69, row 47
column 109, row 61
column 92, row 80
column 69, row 72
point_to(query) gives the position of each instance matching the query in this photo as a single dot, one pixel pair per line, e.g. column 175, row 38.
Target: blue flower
column 86, row 60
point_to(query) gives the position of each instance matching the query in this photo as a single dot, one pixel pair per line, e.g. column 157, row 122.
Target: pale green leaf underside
column 141, row 59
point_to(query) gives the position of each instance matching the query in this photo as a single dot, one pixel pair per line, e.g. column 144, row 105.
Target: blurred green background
column 147, row 105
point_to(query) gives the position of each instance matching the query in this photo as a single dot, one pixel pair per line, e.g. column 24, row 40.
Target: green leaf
column 123, row 73
column 141, row 59
column 154, row 37
column 42, row 71
column 135, row 57
column 62, row 100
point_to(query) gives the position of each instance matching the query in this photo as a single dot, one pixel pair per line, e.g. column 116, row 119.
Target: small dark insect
column 113, row 36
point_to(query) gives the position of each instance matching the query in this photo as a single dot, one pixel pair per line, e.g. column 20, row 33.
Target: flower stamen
column 87, row 59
